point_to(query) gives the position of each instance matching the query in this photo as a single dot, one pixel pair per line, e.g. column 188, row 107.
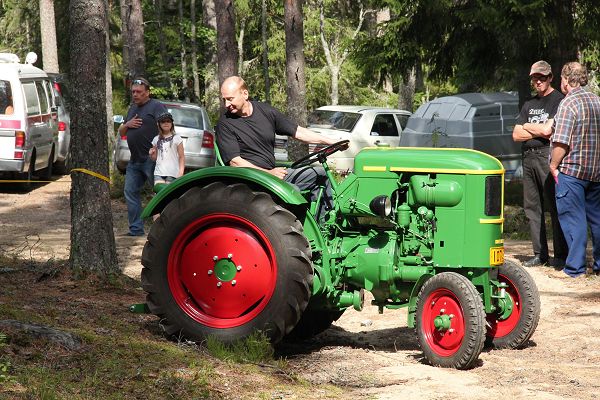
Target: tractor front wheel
column 450, row 321
column 519, row 312
column 226, row 261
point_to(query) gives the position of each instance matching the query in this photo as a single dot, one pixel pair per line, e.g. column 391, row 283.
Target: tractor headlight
column 381, row 205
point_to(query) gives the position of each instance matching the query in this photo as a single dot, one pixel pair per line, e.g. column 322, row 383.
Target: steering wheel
column 321, row 155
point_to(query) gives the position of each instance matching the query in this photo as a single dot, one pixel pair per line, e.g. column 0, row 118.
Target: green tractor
column 236, row 250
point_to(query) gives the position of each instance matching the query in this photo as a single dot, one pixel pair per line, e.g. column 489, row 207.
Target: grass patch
column 254, row 349
column 122, row 355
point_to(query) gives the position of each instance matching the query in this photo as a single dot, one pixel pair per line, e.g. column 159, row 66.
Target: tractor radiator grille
column 493, row 195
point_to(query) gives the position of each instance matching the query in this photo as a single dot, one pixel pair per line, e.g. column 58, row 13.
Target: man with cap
column 141, row 127
column 533, row 128
column 575, row 165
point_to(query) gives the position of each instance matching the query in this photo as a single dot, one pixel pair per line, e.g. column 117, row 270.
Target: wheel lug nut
column 210, row 271
column 229, row 255
column 442, row 310
column 215, row 258
column 239, row 268
column 451, row 316
column 451, row 330
column 233, row 282
column 219, row 284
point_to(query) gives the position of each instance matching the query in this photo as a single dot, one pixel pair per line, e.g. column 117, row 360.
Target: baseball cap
column 541, row 67
column 165, row 117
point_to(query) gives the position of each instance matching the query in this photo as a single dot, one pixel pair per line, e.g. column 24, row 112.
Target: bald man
column 246, row 138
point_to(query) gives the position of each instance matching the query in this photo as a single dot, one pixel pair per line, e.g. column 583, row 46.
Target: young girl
column 167, row 151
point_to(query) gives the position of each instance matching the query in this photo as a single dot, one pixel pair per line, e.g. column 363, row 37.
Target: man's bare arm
column 528, row 131
column 308, row 136
column 559, row 151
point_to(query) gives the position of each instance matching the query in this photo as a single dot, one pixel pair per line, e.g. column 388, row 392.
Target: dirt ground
column 371, row 355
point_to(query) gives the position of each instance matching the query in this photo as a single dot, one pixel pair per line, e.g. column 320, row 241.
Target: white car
column 364, row 126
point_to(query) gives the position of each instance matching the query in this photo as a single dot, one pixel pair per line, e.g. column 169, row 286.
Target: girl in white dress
column 167, row 151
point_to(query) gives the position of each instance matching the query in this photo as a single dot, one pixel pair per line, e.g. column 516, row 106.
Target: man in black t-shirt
column 246, row 138
column 534, row 128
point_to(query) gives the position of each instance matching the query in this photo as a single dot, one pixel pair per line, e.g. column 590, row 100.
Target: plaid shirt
column 577, row 124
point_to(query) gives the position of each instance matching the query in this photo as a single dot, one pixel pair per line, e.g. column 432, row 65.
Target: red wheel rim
column 444, row 342
column 222, row 270
column 501, row 328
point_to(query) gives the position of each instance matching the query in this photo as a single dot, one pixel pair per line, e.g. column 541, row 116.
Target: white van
column 28, row 119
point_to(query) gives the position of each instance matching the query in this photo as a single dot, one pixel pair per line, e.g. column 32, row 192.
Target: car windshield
column 340, row 120
column 188, row 118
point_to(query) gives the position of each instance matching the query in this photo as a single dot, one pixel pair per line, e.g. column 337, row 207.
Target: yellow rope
column 92, row 173
column 83, row 170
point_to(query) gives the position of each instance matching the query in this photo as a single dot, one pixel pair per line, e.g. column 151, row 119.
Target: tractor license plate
column 496, row 255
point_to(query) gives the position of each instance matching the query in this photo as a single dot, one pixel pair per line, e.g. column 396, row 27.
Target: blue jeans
column 136, row 174
column 578, row 204
column 313, row 179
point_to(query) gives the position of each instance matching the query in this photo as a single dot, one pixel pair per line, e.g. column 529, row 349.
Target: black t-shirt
column 539, row 110
column 253, row 137
column 139, row 139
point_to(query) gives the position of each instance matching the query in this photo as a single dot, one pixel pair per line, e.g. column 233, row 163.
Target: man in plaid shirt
column 575, row 165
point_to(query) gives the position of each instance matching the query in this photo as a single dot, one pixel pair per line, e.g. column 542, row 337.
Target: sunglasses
column 541, row 78
column 141, row 82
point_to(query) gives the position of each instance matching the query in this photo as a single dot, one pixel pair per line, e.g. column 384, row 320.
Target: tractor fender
column 414, row 295
column 202, row 177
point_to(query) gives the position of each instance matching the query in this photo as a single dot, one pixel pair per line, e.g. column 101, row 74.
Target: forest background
column 395, row 53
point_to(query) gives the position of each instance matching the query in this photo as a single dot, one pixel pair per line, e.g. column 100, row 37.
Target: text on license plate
column 496, row 255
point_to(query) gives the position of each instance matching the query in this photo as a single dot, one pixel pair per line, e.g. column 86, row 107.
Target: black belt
column 540, row 150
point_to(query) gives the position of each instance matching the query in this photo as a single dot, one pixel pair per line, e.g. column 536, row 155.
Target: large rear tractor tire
column 314, row 322
column 514, row 330
column 225, row 261
column 450, row 321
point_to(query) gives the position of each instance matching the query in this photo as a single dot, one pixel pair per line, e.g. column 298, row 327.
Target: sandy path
column 372, row 355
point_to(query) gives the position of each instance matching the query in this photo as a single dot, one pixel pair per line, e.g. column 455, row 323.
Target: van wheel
column 62, row 167
column 46, row 173
column 26, row 177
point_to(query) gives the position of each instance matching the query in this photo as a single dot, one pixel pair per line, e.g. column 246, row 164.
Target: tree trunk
column 294, row 72
column 164, row 57
column 125, row 41
column 48, row 33
column 334, row 59
column 182, row 43
column 240, row 46
column 132, row 27
column 226, row 43
column 93, row 247
column 265, row 54
column 564, row 46
column 194, row 52
column 406, row 91
column 211, row 80
column 110, row 130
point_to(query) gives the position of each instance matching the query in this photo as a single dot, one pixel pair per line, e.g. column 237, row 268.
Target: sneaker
column 135, row 233
column 535, row 261
column 558, row 263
